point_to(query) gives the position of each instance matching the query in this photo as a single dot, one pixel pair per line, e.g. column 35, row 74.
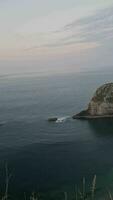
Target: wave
column 62, row 119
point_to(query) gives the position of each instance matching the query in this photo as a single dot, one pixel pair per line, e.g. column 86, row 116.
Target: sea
column 51, row 158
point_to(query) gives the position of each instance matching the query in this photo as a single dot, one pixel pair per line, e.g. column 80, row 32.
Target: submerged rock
column 101, row 104
column 53, row 119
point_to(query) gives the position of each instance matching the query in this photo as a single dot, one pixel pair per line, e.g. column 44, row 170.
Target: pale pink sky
column 55, row 35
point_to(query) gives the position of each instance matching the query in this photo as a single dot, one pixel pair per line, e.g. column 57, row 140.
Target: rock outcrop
column 53, row 119
column 101, row 105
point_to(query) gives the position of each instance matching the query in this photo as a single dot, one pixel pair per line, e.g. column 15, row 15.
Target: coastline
column 79, row 116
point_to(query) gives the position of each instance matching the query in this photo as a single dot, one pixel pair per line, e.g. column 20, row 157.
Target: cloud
column 95, row 28
column 61, row 32
column 92, row 30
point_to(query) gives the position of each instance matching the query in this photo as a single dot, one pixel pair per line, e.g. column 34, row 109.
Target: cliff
column 101, row 104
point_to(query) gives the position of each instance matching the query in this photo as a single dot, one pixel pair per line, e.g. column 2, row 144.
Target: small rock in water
column 53, row 119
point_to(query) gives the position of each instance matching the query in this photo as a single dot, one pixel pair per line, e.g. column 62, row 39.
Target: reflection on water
column 102, row 127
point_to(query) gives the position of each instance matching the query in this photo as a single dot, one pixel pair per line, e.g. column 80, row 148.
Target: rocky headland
column 101, row 104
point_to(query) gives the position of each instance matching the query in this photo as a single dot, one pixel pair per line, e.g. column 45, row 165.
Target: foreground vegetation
column 81, row 193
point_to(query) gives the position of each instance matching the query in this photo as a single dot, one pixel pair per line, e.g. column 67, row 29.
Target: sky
column 55, row 35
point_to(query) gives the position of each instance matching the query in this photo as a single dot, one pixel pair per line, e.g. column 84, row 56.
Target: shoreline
column 85, row 115
column 91, row 116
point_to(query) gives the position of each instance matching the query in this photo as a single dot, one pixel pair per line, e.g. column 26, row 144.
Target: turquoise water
column 45, row 156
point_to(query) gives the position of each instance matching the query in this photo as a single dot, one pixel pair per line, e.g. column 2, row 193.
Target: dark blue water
column 45, row 156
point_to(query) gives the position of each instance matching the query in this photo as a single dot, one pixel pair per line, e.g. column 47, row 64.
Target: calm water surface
column 47, row 156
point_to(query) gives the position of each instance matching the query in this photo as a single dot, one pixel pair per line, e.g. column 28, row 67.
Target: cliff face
column 102, row 101
column 101, row 104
